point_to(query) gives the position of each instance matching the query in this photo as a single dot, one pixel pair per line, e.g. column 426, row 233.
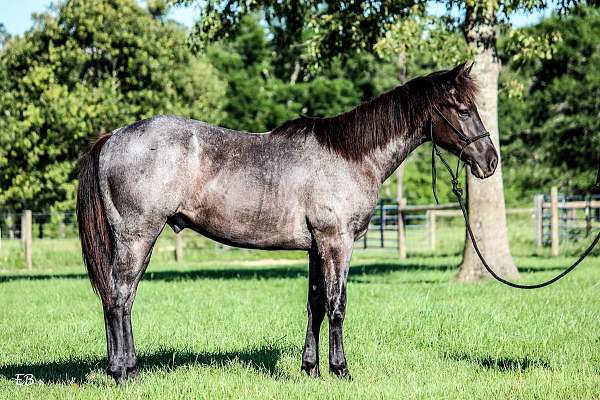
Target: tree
column 4, row 35
column 87, row 68
column 261, row 95
column 339, row 29
column 551, row 127
column 486, row 198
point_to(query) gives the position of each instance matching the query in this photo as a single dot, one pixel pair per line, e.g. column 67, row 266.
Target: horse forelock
column 396, row 113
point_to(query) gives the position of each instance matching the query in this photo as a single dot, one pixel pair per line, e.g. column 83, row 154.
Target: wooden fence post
column 62, row 228
column 401, row 233
column 588, row 217
column 27, row 236
column 432, row 229
column 179, row 247
column 401, row 203
column 539, row 219
column 554, row 223
column 381, row 224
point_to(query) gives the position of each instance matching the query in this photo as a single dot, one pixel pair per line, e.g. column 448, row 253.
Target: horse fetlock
column 340, row 370
column 118, row 373
column 311, row 368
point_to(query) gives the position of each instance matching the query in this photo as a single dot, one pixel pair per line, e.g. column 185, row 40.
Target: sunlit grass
column 229, row 326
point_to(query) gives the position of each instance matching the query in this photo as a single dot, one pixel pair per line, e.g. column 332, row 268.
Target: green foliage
column 551, row 134
column 90, row 68
column 320, row 30
column 424, row 40
column 258, row 99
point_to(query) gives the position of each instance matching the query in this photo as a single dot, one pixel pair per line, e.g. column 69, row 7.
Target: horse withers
column 310, row 184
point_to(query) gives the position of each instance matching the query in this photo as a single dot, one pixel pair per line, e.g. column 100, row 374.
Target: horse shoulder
column 342, row 198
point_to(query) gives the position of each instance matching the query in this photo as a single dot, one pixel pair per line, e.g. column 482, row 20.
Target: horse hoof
column 311, row 370
column 132, row 372
column 118, row 373
column 341, row 372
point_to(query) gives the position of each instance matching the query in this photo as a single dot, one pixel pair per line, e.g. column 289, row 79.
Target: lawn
column 232, row 326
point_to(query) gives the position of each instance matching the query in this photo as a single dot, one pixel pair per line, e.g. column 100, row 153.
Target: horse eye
column 464, row 113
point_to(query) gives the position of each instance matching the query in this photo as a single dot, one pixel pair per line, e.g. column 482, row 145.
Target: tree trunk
column 486, row 197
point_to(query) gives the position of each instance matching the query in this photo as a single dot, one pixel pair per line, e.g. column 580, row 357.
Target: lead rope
column 457, row 190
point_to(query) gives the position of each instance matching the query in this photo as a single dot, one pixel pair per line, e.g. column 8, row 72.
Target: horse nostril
column 492, row 159
column 493, row 163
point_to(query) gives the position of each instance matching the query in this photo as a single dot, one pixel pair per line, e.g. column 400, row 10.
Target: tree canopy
column 552, row 131
column 84, row 69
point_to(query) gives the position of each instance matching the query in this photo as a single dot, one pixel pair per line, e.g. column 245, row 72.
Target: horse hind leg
column 316, row 313
column 131, row 257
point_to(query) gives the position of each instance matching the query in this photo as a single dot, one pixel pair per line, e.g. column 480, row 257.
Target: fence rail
column 556, row 219
column 390, row 223
column 560, row 218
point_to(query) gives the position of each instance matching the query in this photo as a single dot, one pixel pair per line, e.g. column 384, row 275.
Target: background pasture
column 209, row 327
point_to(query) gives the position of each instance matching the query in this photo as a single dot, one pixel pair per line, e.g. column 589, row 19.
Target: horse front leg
column 335, row 251
column 316, row 312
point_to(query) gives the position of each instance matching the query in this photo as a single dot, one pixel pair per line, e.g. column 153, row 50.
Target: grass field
column 232, row 326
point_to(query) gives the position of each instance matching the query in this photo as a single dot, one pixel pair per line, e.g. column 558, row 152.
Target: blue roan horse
column 310, row 184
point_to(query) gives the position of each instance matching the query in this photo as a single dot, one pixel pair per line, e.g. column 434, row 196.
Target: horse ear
column 457, row 72
column 467, row 70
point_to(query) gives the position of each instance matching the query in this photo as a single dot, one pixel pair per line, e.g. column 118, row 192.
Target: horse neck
column 387, row 159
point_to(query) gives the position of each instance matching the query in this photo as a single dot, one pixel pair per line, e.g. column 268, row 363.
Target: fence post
column 401, row 233
column 588, row 217
column 554, row 223
column 401, row 202
column 564, row 232
column 432, row 228
column 381, row 223
column 62, row 228
column 538, row 207
column 179, row 247
column 27, row 236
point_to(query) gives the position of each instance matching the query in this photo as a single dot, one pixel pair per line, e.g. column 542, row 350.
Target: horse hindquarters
column 116, row 253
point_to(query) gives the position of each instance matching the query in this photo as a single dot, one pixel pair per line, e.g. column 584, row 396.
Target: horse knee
column 336, row 315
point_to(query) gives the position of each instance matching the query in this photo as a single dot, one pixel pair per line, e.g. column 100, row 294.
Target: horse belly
column 245, row 216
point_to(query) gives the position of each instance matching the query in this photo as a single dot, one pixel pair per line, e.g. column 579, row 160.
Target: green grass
column 232, row 326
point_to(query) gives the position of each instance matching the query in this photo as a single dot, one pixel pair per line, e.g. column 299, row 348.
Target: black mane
column 374, row 123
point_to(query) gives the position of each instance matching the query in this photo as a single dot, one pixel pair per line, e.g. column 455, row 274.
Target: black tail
column 94, row 231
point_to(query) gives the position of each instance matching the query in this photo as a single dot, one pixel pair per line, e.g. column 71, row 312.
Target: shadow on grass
column 282, row 272
column 263, row 360
column 504, row 364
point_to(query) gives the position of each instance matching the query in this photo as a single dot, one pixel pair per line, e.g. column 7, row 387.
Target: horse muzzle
column 485, row 167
